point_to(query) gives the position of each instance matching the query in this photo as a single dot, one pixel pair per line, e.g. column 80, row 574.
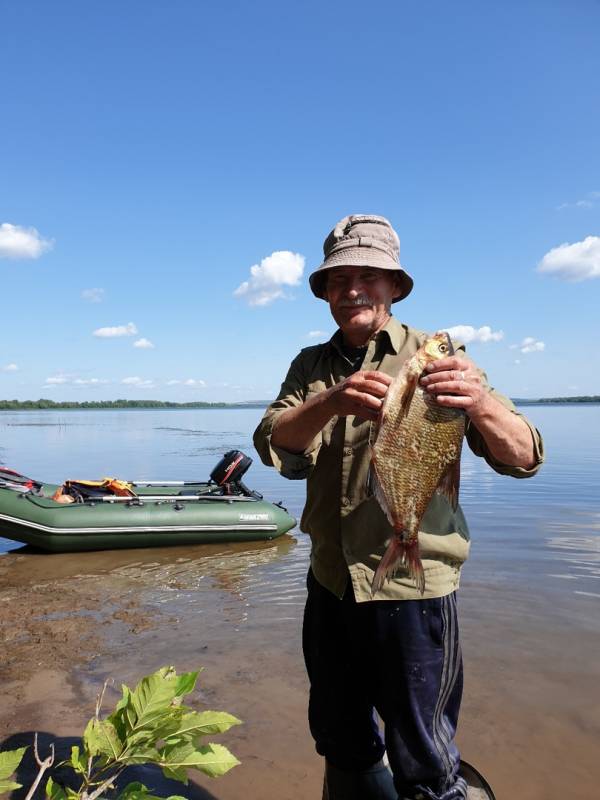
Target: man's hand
column 456, row 382
column 361, row 395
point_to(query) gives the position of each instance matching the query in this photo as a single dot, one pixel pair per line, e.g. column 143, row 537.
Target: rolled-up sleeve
column 480, row 448
column 295, row 466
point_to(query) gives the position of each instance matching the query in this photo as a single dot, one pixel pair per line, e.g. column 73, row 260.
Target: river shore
column 71, row 621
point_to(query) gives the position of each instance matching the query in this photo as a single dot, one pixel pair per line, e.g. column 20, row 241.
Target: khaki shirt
column 348, row 529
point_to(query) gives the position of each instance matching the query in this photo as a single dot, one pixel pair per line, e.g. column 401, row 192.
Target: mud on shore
column 70, row 621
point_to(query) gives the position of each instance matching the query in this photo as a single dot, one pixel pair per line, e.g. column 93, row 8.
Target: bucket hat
column 361, row 240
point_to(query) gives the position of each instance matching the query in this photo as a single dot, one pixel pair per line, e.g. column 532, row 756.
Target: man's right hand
column 361, row 394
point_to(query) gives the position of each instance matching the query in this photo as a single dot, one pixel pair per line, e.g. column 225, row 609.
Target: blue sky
column 156, row 151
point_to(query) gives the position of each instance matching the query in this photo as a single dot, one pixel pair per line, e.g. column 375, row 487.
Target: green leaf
column 153, row 695
column 137, row 791
column 120, row 717
column 212, row 759
column 78, row 761
column 186, row 683
column 8, row 786
column 176, row 774
column 54, row 791
column 140, row 755
column 124, row 701
column 201, row 724
column 9, row 761
column 101, row 738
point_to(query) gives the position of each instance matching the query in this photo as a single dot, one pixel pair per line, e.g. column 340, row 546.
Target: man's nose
column 354, row 286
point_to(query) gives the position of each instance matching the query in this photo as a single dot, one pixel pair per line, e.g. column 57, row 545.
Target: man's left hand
column 455, row 382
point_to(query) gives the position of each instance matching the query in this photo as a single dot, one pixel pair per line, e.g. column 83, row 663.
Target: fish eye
column 443, row 348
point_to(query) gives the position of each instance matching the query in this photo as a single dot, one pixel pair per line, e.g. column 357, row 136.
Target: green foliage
column 9, row 761
column 149, row 725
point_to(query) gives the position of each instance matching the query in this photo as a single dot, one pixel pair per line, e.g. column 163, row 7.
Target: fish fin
column 374, row 486
column 400, row 553
column 449, row 484
column 374, row 429
column 412, row 381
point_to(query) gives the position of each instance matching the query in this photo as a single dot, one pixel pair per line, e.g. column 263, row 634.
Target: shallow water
column 529, row 599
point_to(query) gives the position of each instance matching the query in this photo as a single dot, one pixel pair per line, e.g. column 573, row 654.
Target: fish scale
column 416, row 445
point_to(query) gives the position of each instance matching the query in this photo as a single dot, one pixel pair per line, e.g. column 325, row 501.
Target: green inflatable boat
column 98, row 516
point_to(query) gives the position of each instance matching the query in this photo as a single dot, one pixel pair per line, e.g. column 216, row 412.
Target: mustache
column 361, row 300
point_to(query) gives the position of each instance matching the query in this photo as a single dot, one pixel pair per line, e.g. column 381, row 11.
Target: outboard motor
column 228, row 473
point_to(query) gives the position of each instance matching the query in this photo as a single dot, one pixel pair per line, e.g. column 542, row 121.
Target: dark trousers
column 400, row 658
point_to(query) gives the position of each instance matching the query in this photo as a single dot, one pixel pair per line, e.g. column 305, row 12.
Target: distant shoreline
column 68, row 405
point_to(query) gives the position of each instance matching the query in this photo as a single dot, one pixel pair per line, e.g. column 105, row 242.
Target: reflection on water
column 258, row 582
column 575, row 547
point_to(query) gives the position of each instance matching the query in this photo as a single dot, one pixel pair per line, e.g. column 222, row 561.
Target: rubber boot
column 375, row 783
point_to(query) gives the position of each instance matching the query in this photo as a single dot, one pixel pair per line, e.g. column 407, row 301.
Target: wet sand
column 531, row 714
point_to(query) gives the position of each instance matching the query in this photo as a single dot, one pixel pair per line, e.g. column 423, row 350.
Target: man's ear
column 397, row 285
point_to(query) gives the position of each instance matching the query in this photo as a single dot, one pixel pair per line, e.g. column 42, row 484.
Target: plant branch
column 104, row 785
column 43, row 766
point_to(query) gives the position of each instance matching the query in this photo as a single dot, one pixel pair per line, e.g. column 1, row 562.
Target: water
column 539, row 537
column 542, row 532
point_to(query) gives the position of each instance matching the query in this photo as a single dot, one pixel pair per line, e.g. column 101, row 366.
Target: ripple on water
column 575, row 545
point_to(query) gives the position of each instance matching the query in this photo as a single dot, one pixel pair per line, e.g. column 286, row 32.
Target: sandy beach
column 531, row 714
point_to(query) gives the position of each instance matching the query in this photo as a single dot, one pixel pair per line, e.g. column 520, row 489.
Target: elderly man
column 396, row 652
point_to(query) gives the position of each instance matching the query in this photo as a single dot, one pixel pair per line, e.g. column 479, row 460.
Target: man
column 396, row 652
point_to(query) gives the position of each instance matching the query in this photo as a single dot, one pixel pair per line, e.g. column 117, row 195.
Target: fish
column 415, row 450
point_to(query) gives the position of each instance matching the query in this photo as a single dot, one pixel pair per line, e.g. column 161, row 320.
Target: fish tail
column 400, row 553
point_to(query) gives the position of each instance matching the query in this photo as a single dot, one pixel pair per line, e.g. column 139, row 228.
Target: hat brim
column 359, row 257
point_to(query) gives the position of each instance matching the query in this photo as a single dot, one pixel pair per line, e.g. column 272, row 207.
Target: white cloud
column 64, row 378
column 467, row 333
column 18, row 242
column 10, row 368
column 116, row 330
column 587, row 202
column 144, row 344
column 529, row 345
column 93, row 295
column 316, row 334
column 194, row 383
column 90, row 382
column 55, row 380
column 139, row 383
column 573, row 262
column 268, row 279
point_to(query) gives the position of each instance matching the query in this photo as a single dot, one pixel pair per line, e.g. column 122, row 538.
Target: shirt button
column 345, row 501
column 347, row 451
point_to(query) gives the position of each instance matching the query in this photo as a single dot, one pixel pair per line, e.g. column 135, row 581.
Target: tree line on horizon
column 45, row 404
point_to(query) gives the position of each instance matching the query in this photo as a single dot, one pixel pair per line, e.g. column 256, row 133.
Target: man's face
column 359, row 299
